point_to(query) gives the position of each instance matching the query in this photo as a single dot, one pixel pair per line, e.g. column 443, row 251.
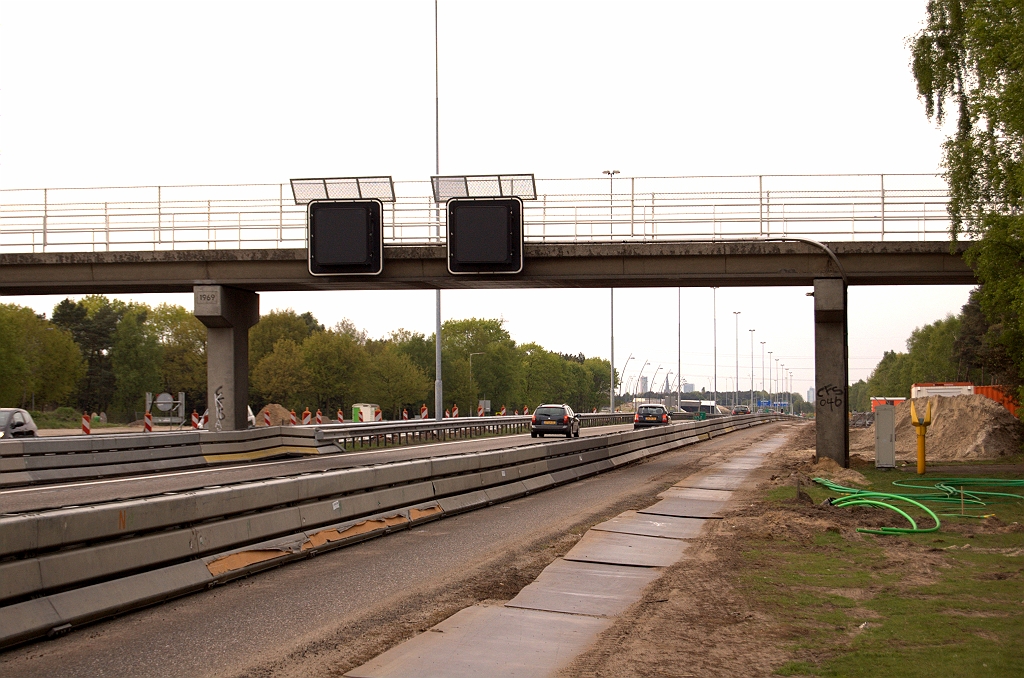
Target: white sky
column 146, row 93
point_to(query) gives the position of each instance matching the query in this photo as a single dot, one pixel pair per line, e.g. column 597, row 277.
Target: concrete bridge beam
column 228, row 313
column 831, row 371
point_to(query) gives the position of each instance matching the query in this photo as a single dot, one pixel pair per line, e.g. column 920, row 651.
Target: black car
column 741, row 409
column 15, row 423
column 651, row 415
column 555, row 419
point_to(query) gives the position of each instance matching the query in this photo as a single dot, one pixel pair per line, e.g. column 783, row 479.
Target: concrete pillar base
column 831, row 371
column 228, row 313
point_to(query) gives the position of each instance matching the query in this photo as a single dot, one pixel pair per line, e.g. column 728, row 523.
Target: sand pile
column 963, row 427
column 279, row 416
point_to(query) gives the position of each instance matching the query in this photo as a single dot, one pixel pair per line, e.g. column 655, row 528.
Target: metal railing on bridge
column 847, row 207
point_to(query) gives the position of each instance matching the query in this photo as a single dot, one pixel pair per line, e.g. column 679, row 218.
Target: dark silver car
column 555, row 419
column 650, row 415
column 15, row 423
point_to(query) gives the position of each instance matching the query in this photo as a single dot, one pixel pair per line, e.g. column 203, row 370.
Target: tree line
column 103, row 355
column 961, row 347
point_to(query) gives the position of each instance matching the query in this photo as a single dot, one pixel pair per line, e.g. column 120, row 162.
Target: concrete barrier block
column 27, row 620
column 537, row 483
column 401, row 472
column 565, row 475
column 226, row 534
column 102, row 600
column 456, row 484
column 505, row 492
column 444, row 466
column 103, row 560
column 15, row 479
column 11, row 448
column 19, row 578
column 11, row 464
column 463, row 502
column 532, row 468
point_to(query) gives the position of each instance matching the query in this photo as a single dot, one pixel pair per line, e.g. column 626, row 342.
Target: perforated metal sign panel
column 346, row 237
column 485, row 236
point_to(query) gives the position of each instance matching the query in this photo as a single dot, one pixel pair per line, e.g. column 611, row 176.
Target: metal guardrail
column 249, row 216
column 63, row 459
column 78, row 564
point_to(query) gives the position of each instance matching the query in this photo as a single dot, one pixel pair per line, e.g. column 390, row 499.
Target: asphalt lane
column 22, row 499
column 233, row 629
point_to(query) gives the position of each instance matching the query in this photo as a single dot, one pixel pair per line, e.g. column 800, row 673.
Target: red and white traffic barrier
column 503, row 410
column 195, row 419
column 293, row 420
column 319, row 416
column 147, row 422
column 341, row 417
column 455, row 410
column 447, row 414
column 206, row 419
column 86, row 423
column 526, row 409
column 266, row 417
column 405, row 413
column 479, row 410
column 307, row 416
column 423, row 411
column 378, row 415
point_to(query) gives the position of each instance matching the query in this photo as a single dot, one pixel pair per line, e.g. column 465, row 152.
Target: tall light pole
column 438, row 383
column 638, row 377
column 736, row 398
column 623, row 374
column 611, row 384
column 769, row 379
column 791, row 392
column 777, row 395
column 751, row 370
column 762, row 366
column 472, row 410
column 679, row 346
column 714, row 334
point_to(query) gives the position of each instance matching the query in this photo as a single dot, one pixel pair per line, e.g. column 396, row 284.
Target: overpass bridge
column 228, row 243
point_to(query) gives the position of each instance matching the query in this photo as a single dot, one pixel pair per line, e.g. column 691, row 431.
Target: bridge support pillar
column 228, row 313
column 831, row 371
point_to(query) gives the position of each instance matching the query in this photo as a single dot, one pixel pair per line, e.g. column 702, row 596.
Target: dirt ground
column 693, row 621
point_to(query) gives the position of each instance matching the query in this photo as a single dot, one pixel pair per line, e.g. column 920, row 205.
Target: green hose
column 945, row 491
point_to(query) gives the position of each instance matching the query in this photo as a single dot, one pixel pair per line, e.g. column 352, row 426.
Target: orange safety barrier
column 86, row 423
column 307, row 416
column 266, row 417
column 319, row 417
column 294, row 421
column 195, row 419
column 147, row 422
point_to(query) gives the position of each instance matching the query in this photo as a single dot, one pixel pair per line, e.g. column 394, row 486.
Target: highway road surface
column 325, row 615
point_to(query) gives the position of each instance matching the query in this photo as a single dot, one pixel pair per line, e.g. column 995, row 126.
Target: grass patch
column 949, row 603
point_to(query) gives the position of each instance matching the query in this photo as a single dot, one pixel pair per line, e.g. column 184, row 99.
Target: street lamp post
column 611, row 215
column 638, row 377
column 714, row 336
column 778, row 396
column 751, row 370
column 679, row 346
column 769, row 381
column 762, row 366
column 736, row 397
column 623, row 373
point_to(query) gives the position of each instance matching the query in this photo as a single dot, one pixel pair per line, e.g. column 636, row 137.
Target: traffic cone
column 294, row 421
column 319, row 417
column 195, row 419
column 86, row 423
column 147, row 423
column 306, row 417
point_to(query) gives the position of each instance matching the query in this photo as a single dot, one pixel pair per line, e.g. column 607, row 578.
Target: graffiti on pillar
column 831, row 396
column 218, row 398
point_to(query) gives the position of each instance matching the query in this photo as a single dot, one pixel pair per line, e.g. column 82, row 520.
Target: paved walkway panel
column 585, row 588
column 685, row 508
column 489, row 641
column 668, row 527
column 616, row 548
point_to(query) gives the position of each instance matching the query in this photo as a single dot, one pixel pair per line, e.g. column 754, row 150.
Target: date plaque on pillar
column 485, row 236
column 346, row 237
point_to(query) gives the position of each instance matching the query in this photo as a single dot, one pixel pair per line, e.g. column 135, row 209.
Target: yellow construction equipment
column 921, row 427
